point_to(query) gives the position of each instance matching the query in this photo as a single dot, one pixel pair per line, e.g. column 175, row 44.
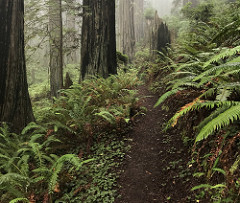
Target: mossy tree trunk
column 56, row 46
column 15, row 104
column 98, row 51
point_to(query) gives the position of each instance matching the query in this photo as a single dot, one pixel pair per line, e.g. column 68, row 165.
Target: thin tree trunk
column 56, row 50
column 98, row 51
column 15, row 104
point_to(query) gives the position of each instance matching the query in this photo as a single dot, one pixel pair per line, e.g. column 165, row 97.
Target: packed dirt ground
column 156, row 168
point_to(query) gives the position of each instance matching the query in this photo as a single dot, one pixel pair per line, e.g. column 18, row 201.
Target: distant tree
column 56, row 46
column 15, row 104
column 36, row 39
column 71, row 20
column 139, row 20
column 98, row 52
column 126, row 27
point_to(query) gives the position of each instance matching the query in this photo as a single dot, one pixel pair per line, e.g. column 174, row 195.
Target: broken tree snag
column 68, row 81
column 161, row 37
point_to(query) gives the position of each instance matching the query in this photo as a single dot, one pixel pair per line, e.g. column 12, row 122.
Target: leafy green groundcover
column 72, row 153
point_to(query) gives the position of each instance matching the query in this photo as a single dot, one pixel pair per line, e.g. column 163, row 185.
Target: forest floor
column 156, row 168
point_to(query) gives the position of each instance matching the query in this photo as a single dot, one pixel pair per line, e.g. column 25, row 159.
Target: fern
column 193, row 66
column 22, row 200
column 217, row 70
column 235, row 165
column 224, row 119
column 223, row 94
column 185, row 82
column 33, row 126
column 228, row 32
column 197, row 104
column 213, row 115
column 14, row 179
column 224, row 54
column 166, row 95
column 58, row 166
column 107, row 116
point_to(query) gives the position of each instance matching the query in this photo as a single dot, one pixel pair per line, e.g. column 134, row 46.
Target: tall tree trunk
column 98, row 52
column 118, row 37
column 56, row 47
column 139, row 20
column 126, row 26
column 70, row 42
column 15, row 104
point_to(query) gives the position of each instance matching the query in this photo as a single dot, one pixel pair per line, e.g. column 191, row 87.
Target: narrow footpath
column 156, row 167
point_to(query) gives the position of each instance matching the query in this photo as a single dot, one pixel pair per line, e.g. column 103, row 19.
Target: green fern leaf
column 19, row 200
column 224, row 119
column 218, row 186
column 219, row 170
column 235, row 165
column 33, row 126
column 107, row 116
column 225, row 53
column 223, row 94
column 201, row 186
column 217, row 70
column 166, row 95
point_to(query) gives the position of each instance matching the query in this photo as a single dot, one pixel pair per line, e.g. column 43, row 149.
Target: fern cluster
column 206, row 61
column 39, row 163
column 93, row 103
column 26, row 163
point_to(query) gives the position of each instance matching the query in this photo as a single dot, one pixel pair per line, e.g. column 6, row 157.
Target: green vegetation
column 72, row 151
column 203, row 66
column 70, row 155
column 149, row 13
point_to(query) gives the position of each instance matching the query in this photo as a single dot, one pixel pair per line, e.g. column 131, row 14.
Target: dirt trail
column 155, row 169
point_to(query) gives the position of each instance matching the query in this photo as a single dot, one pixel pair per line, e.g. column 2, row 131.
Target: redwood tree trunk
column 56, row 47
column 70, row 43
column 126, row 26
column 139, row 20
column 98, row 52
column 15, row 104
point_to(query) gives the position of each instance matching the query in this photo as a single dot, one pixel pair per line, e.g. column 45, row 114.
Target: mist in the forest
column 162, row 6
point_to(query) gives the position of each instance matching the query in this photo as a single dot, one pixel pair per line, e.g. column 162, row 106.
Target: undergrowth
column 71, row 152
column 203, row 66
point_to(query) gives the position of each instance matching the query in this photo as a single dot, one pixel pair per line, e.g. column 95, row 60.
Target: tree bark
column 139, row 20
column 15, row 104
column 98, row 51
column 56, row 46
column 161, row 37
column 126, row 26
column 71, row 42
